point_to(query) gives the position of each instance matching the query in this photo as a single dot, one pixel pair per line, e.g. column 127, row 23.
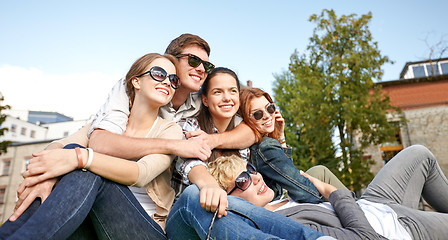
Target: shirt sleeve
column 184, row 166
column 113, row 114
column 153, row 165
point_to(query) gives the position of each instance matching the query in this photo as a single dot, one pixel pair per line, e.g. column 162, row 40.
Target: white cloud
column 78, row 95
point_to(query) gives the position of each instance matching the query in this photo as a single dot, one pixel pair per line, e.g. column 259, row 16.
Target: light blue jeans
column 112, row 208
column 188, row 220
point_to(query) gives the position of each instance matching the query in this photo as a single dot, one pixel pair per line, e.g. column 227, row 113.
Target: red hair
column 246, row 97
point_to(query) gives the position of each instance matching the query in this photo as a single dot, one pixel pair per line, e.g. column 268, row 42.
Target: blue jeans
column 188, row 220
column 278, row 170
column 112, row 208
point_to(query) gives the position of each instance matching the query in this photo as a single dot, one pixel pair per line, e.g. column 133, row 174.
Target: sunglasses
column 259, row 114
column 243, row 181
column 195, row 61
column 159, row 74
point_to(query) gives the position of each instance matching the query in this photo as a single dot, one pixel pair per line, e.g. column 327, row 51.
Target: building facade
column 422, row 95
column 12, row 164
column 29, row 132
column 32, row 126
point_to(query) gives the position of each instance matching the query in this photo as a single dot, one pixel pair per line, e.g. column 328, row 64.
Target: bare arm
column 238, row 138
column 105, row 142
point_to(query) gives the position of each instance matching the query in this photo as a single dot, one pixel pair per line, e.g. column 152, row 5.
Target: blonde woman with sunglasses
column 94, row 187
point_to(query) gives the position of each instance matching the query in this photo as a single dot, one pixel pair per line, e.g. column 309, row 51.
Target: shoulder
column 168, row 128
column 189, row 124
column 269, row 142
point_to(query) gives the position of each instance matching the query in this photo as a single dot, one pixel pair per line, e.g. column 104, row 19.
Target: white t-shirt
column 140, row 192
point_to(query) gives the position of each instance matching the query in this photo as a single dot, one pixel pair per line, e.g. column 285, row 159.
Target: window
column 6, row 166
column 435, row 68
column 13, row 128
column 390, row 149
column 419, row 71
column 444, row 67
column 23, row 131
column 32, row 134
column 2, row 194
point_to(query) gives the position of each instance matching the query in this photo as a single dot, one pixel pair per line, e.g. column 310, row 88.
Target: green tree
column 3, row 144
column 329, row 99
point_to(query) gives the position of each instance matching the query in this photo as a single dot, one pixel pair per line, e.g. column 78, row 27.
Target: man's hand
column 210, row 139
column 193, row 148
column 212, row 197
column 27, row 195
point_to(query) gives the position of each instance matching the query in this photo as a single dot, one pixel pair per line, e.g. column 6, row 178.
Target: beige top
column 154, row 169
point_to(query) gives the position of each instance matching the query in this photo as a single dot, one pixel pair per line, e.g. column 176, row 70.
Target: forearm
column 200, row 176
column 112, row 144
column 54, row 145
column 351, row 215
column 115, row 169
column 239, row 138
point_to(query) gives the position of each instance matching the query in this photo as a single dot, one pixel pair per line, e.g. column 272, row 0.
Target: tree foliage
column 3, row 144
column 329, row 99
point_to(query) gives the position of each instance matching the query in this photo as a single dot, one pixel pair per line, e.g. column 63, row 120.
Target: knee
column 419, row 150
column 317, row 170
column 190, row 194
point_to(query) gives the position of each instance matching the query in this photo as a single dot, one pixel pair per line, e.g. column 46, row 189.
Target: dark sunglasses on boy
column 159, row 74
column 243, row 181
column 195, row 61
column 259, row 114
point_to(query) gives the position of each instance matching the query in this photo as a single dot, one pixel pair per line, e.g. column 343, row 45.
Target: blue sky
column 65, row 56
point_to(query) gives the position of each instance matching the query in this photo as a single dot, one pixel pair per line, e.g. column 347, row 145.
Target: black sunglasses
column 243, row 181
column 259, row 114
column 159, row 74
column 195, row 61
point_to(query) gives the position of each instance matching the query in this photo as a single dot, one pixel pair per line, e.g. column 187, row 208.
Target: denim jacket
column 279, row 172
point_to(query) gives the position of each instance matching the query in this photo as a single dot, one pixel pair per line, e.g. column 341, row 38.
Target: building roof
column 406, row 66
column 417, row 92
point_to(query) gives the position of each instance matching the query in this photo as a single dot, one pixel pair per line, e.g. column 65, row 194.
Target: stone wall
column 425, row 126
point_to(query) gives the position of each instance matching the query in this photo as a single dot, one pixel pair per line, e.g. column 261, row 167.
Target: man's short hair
column 224, row 169
column 185, row 40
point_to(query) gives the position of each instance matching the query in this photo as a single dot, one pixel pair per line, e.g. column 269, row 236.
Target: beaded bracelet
column 282, row 140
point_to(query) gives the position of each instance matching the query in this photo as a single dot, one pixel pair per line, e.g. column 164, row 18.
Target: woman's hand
column 26, row 196
column 324, row 188
column 50, row 164
column 212, row 197
column 278, row 118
